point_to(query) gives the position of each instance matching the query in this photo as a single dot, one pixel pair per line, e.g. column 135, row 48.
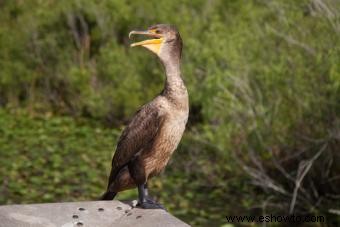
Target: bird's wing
column 138, row 134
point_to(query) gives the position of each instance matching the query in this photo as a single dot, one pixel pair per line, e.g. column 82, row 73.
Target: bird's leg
column 145, row 201
column 146, row 189
column 142, row 193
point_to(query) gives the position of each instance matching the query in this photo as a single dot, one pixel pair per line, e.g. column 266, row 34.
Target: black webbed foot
column 150, row 204
column 145, row 201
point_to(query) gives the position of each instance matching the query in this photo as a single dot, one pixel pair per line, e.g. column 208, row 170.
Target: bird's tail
column 108, row 195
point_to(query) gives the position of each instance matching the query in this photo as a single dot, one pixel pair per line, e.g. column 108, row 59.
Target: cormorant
column 153, row 134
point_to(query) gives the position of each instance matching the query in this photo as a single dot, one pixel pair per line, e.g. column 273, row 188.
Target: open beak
column 155, row 42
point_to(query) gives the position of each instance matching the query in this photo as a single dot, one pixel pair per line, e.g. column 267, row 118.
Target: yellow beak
column 153, row 45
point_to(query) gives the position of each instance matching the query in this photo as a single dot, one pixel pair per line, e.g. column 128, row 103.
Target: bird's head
column 165, row 41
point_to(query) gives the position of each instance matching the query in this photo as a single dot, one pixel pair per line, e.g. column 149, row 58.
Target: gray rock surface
column 87, row 214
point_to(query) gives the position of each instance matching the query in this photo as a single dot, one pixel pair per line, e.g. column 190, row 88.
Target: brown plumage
column 148, row 141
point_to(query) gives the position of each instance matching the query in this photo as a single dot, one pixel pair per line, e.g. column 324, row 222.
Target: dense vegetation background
column 264, row 82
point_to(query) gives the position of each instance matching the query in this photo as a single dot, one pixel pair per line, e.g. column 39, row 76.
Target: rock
column 87, row 214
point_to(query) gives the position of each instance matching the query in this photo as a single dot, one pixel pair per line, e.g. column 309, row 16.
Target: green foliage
column 264, row 84
column 48, row 158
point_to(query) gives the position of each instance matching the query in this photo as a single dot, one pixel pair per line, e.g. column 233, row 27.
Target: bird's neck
column 174, row 87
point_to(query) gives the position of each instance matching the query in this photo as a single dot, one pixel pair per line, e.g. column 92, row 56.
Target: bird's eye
column 157, row 31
